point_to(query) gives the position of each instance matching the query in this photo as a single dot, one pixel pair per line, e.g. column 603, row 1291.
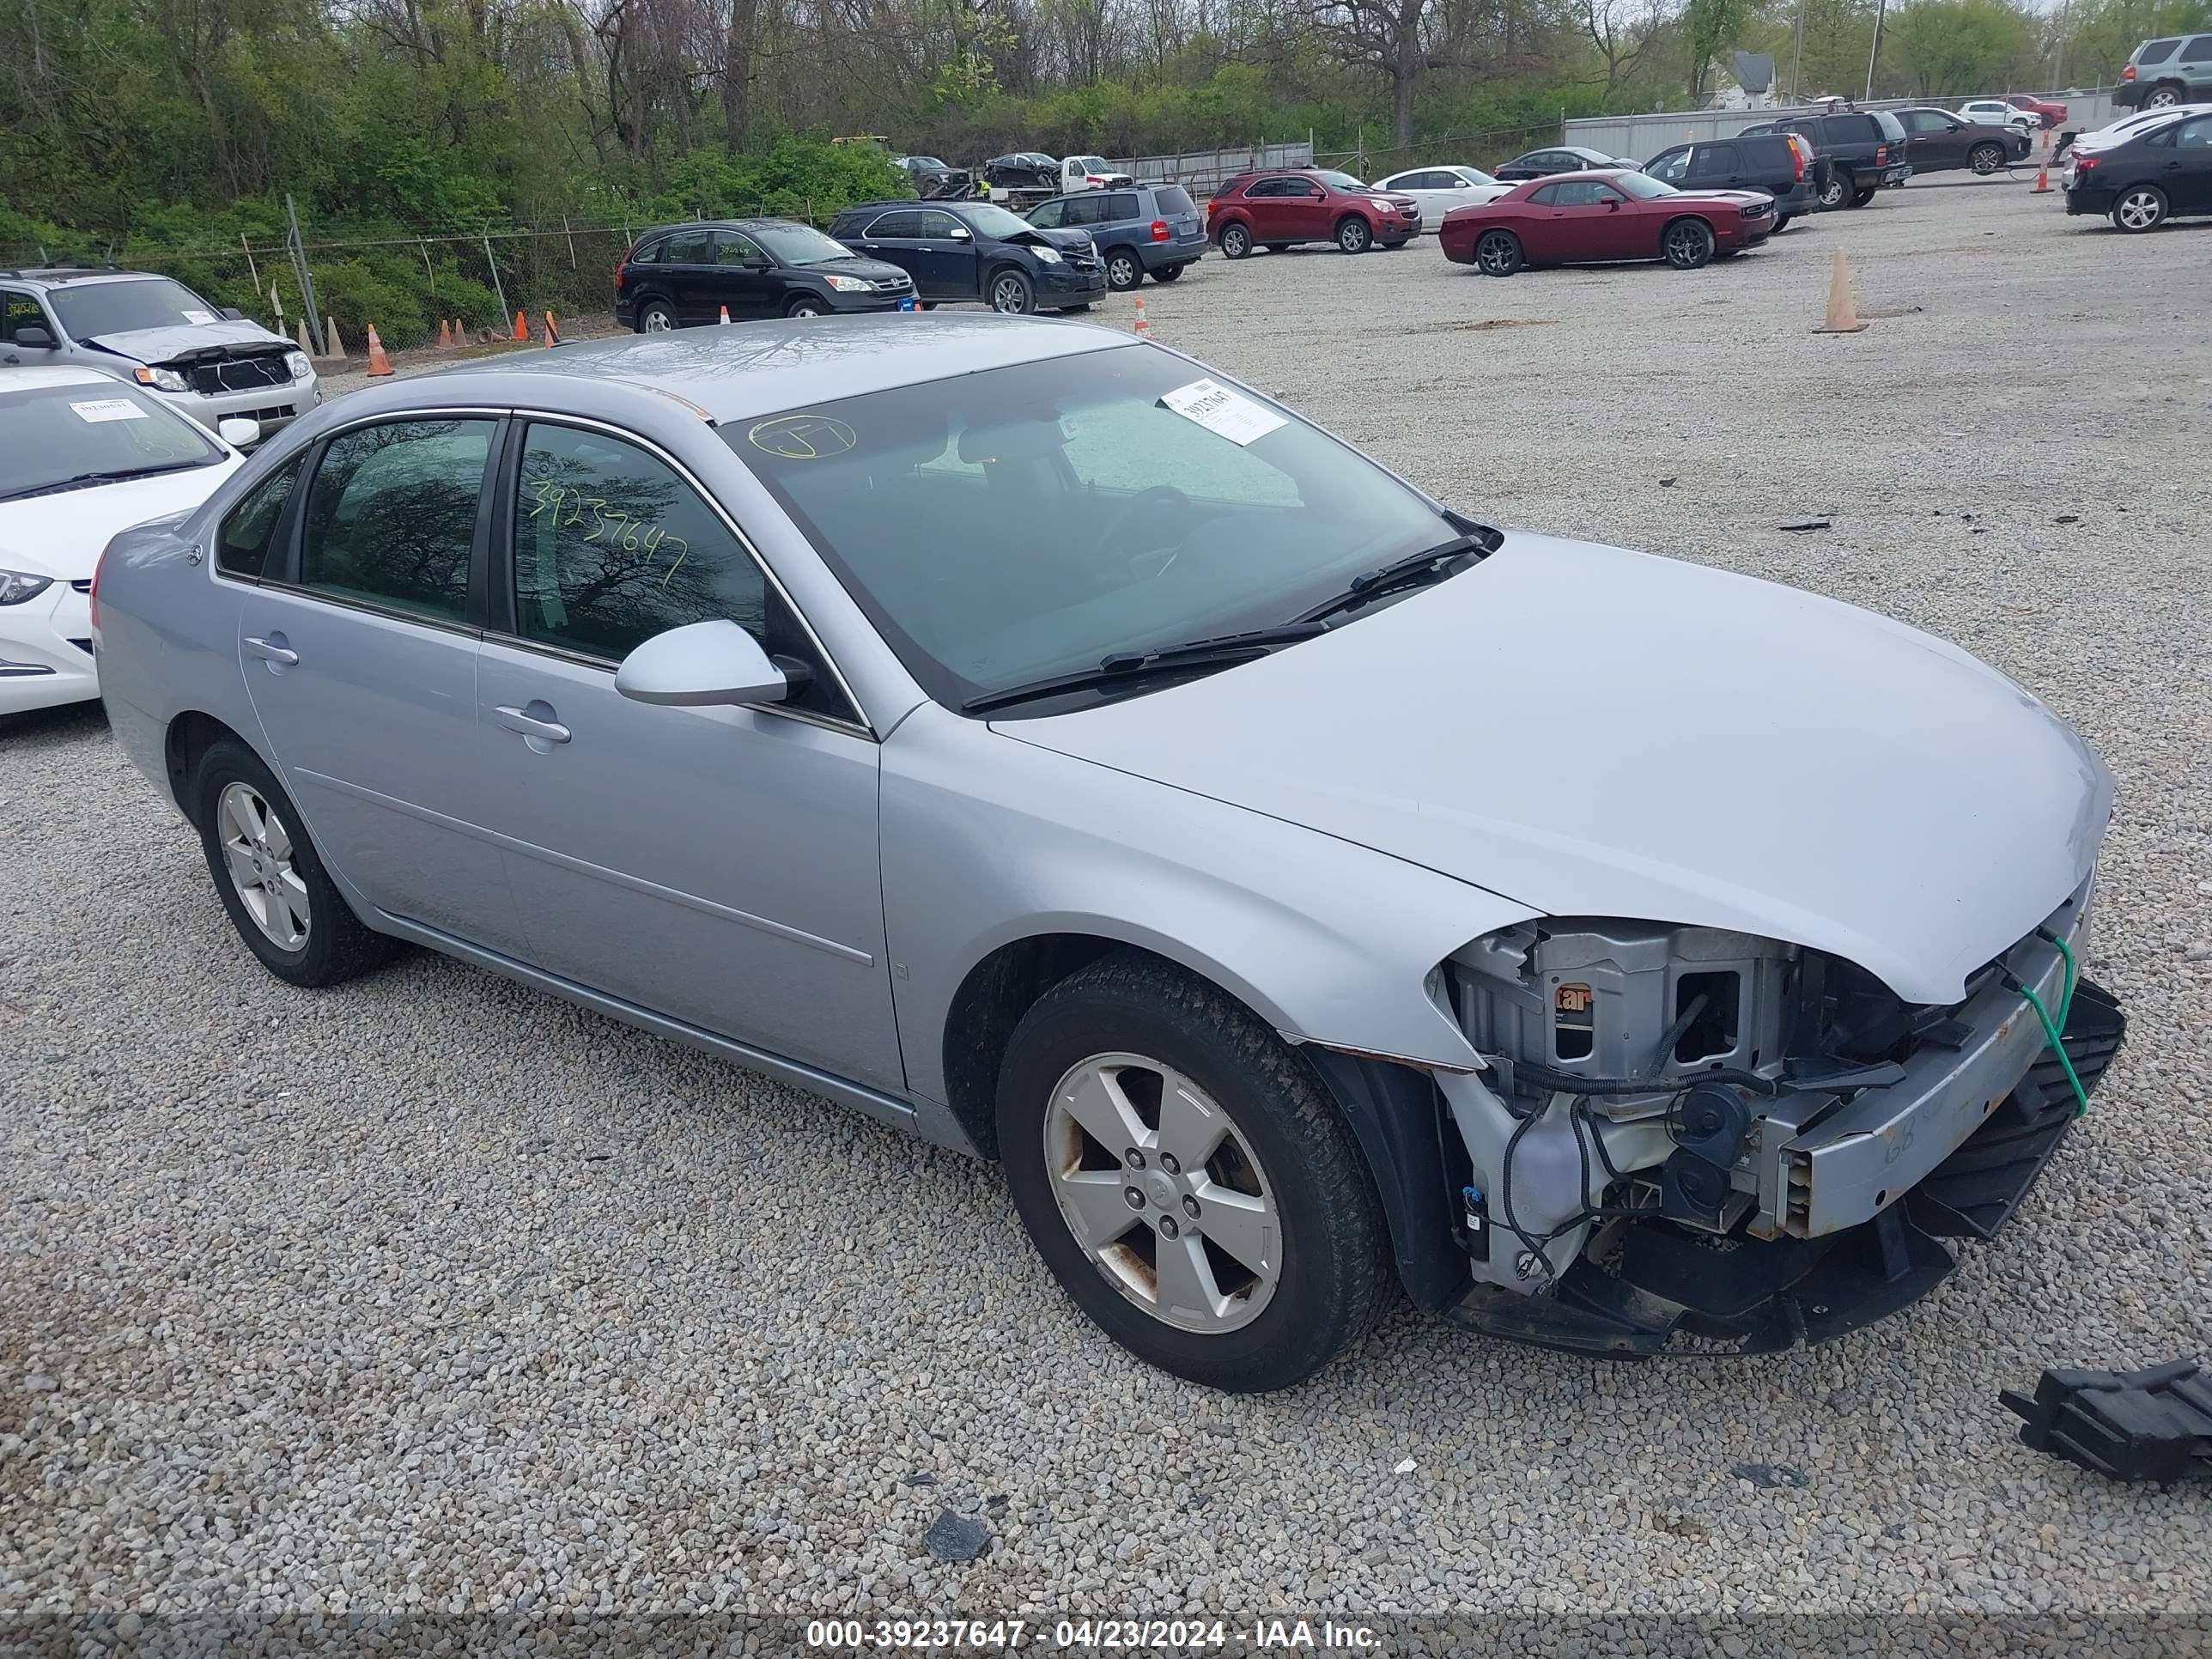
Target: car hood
column 159, row 345
column 1593, row 731
column 875, row 271
column 61, row 534
column 1069, row 241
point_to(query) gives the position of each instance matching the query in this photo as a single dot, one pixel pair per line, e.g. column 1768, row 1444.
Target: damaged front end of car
column 1685, row 1138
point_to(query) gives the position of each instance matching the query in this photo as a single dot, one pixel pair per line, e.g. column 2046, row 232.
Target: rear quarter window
column 1852, row 130
column 2156, row 52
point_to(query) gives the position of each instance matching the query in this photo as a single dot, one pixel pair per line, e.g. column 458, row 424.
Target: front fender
column 988, row 841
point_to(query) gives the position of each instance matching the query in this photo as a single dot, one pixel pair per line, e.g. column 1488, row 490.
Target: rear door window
column 1120, row 205
column 2198, row 50
column 391, row 515
column 689, row 247
column 902, row 224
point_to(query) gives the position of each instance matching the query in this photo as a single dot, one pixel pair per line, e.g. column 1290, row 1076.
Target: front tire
column 806, row 305
column 2140, row 208
column 270, row 879
column 1985, row 159
column 1188, row 1180
column 1122, row 271
column 1352, row 234
column 1236, row 242
column 1687, row 243
column 1781, row 222
column 1013, row 294
column 1497, row 253
column 655, row 317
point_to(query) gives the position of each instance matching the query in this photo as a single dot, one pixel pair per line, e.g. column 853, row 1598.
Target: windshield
column 1642, row 184
column 1006, row 526
column 1092, row 164
column 798, row 245
column 97, row 309
column 996, row 221
column 1339, row 180
column 51, row 434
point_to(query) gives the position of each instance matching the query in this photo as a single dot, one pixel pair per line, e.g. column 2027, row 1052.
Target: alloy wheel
column 1497, row 253
column 1688, row 244
column 1352, row 236
column 1008, row 295
column 1163, row 1193
column 2163, row 98
column 1986, row 159
column 1121, row 271
column 658, row 321
column 2139, row 209
column 257, row 851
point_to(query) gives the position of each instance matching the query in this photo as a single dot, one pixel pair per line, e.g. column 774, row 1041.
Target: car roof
column 16, row 378
column 761, row 368
column 715, row 224
column 66, row 275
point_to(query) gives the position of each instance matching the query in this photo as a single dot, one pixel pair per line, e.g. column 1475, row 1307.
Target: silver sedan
column 1034, row 740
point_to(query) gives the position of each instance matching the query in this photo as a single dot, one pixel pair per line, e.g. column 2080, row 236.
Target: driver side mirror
column 30, row 335
column 701, row 664
column 961, row 234
column 239, row 431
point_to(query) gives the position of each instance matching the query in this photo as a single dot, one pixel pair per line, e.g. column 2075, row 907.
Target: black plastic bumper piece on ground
column 2153, row 1424
column 1676, row 1289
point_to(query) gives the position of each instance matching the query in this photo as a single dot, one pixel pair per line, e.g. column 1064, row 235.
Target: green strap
column 2050, row 1032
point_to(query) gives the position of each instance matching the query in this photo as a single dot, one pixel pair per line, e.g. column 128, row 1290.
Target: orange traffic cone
column 1144, row 327
column 521, row 329
column 1843, row 315
column 725, row 317
column 378, row 362
column 551, row 338
column 2042, row 180
column 445, row 335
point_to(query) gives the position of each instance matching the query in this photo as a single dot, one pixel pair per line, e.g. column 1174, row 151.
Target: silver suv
column 209, row 362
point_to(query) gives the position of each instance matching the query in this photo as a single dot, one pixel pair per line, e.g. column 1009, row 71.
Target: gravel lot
column 432, row 1295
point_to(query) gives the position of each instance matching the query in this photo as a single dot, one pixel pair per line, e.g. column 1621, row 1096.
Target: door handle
column 514, row 719
column 273, row 650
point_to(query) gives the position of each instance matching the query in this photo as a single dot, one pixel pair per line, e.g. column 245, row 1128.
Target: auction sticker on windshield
column 1218, row 408
column 109, row 409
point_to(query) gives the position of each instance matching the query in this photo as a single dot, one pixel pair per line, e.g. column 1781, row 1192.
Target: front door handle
column 273, row 650
column 516, row 719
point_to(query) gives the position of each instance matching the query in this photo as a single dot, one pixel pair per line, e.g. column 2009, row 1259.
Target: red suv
column 1274, row 210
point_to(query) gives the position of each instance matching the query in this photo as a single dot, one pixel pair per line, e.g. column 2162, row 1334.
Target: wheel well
column 1687, row 218
column 1345, row 217
column 190, row 736
column 991, row 1001
column 1120, row 247
column 1001, row 269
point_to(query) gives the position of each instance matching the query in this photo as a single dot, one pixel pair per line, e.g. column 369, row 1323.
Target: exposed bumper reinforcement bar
column 1673, row 1290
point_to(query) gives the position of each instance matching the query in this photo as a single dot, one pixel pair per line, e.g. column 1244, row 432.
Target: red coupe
column 1586, row 217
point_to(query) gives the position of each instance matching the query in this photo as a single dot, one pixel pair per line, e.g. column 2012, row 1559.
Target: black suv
column 977, row 250
column 1779, row 163
column 1865, row 150
column 684, row 274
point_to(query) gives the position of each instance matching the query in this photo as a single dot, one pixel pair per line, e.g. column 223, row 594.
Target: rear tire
column 2165, row 95
column 1497, row 253
column 1167, row 273
column 1224, row 1121
column 1353, row 235
column 1861, row 197
column 1236, row 242
column 2140, row 208
column 1985, row 159
column 270, row 879
column 655, row 317
column 1277, row 247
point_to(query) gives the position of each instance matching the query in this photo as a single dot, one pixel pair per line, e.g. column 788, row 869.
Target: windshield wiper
column 1475, row 541
column 1222, row 651
column 82, row 479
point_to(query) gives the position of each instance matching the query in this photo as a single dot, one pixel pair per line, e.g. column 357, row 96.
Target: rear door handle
column 273, row 650
column 514, row 719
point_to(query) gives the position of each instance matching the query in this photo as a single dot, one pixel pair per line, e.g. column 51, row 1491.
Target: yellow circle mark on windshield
column 803, row 437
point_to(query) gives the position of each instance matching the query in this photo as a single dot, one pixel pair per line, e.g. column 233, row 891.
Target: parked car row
column 2142, row 171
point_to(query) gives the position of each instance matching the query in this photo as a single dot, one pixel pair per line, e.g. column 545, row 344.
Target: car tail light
column 1798, row 156
column 92, row 598
column 2082, row 163
column 1880, row 153
column 2128, row 73
column 622, row 265
column 1160, row 231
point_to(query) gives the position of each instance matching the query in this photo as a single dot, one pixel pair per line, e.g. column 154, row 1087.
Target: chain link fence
column 417, row 292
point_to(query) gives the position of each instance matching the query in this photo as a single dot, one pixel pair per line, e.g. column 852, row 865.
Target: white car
column 1440, row 188
column 83, row 455
column 1996, row 113
column 2130, row 126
